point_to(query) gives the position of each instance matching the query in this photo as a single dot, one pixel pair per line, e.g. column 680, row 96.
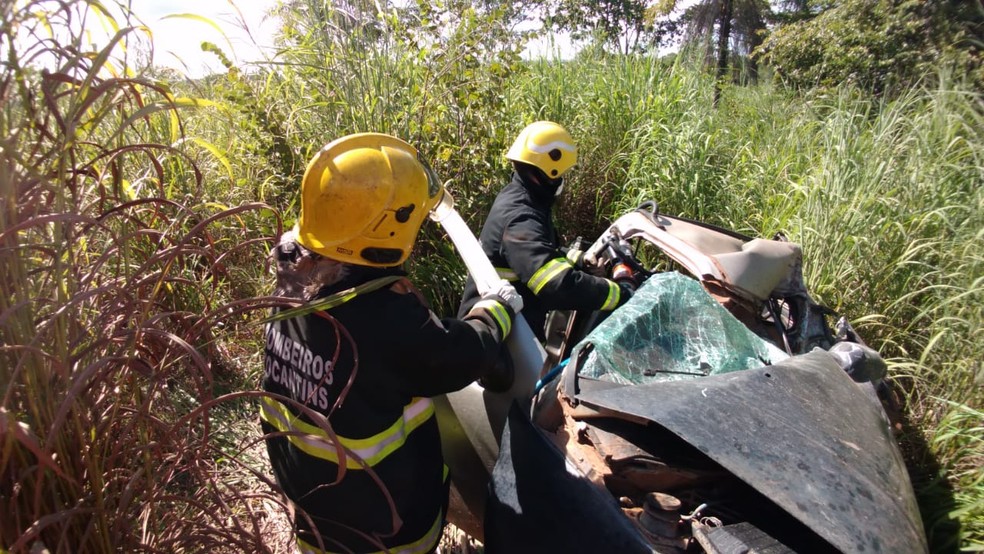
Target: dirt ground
column 455, row 541
column 276, row 528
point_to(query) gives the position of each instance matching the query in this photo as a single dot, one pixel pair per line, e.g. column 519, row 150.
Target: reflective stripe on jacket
column 358, row 453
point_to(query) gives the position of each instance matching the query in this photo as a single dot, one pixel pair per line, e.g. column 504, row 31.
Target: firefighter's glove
column 501, row 302
column 593, row 266
column 626, row 289
column 500, row 377
column 576, row 256
column 508, row 294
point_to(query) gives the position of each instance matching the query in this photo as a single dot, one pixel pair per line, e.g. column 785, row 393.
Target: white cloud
column 550, row 46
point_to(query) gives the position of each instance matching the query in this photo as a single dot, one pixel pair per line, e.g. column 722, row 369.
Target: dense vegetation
column 137, row 207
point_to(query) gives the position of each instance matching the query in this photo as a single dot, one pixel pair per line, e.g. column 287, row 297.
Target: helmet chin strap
column 560, row 189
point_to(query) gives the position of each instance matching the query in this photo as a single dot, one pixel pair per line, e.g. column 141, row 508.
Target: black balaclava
column 535, row 176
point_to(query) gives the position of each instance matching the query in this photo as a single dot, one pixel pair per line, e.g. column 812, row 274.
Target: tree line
column 874, row 44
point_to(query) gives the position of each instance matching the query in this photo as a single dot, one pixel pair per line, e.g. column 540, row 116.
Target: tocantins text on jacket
column 365, row 369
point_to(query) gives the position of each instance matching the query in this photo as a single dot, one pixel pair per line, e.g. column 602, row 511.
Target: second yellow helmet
column 364, row 198
column 547, row 146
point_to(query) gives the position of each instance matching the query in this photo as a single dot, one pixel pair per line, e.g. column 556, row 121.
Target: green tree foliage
column 790, row 11
column 875, row 44
column 620, row 25
column 727, row 31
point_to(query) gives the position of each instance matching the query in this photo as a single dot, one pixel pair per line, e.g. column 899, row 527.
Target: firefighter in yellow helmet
column 349, row 425
column 520, row 239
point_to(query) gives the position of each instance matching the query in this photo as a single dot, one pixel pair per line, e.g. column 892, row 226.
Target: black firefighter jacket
column 520, row 240
column 367, row 366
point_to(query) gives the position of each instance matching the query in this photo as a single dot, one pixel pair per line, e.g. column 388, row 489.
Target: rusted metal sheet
column 802, row 433
column 633, row 465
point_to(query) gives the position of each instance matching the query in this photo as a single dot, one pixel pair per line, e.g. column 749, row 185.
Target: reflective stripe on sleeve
column 334, row 300
column 507, row 274
column 498, row 312
column 420, row 546
column 314, row 441
column 554, row 269
column 614, row 295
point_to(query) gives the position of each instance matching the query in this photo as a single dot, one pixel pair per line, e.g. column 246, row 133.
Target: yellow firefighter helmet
column 364, row 198
column 547, row 146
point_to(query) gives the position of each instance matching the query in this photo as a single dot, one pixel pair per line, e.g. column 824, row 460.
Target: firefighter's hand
column 593, row 266
column 498, row 307
column 626, row 290
column 500, row 377
column 576, row 257
column 506, row 293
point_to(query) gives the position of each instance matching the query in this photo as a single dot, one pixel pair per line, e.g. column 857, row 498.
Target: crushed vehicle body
column 716, row 411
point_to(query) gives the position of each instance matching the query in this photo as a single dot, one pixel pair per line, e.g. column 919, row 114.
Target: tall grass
column 118, row 328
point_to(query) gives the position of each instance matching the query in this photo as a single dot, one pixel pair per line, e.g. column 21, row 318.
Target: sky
column 177, row 40
column 248, row 28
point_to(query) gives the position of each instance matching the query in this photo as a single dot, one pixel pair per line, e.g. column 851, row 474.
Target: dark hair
column 301, row 272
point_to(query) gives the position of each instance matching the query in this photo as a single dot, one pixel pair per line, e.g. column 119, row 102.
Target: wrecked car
column 718, row 410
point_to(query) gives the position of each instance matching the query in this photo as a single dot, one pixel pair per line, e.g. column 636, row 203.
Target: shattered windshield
column 671, row 329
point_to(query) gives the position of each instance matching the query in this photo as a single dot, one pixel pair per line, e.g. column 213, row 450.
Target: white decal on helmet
column 558, row 144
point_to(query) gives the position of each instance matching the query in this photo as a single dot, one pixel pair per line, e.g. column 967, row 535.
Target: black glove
column 500, row 377
column 626, row 290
